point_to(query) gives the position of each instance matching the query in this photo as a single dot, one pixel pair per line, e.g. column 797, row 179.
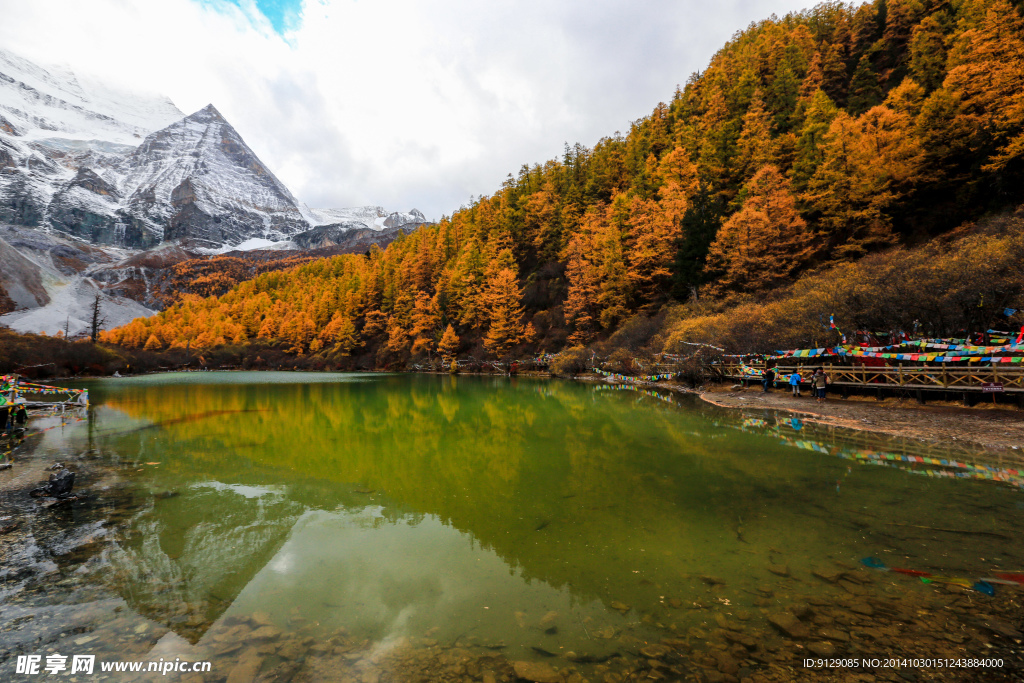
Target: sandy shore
column 988, row 427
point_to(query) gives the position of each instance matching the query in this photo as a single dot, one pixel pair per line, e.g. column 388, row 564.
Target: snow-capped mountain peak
column 111, row 167
column 199, row 179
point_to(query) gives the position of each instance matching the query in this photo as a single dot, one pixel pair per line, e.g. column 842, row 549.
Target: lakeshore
column 981, row 425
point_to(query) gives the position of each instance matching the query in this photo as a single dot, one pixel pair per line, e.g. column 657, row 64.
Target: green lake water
column 523, row 516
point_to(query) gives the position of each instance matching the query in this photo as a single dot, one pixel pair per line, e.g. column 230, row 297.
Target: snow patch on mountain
column 198, row 178
column 250, row 244
column 119, row 168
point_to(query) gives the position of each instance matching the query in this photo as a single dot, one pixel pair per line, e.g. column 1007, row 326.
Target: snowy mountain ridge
column 39, row 103
column 127, row 170
column 372, row 217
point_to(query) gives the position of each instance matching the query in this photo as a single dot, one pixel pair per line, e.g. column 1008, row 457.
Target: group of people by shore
column 819, row 380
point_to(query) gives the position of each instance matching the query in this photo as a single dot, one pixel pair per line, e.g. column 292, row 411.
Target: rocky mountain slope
column 197, row 180
column 50, row 287
column 112, row 175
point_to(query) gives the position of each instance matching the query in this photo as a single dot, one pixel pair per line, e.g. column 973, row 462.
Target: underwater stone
column 538, row 672
column 247, row 668
column 789, row 625
column 59, row 485
column 821, row 649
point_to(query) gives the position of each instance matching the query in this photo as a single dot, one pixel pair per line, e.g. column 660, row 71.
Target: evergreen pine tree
column 581, row 298
column 755, row 147
column 928, row 53
column 700, row 225
column 817, row 119
column 425, row 320
column 833, row 73
column 865, row 92
column 653, row 235
column 815, row 77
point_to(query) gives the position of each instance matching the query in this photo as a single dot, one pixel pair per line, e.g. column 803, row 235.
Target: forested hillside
column 809, row 142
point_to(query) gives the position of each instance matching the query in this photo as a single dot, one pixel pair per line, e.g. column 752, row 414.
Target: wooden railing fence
column 932, row 378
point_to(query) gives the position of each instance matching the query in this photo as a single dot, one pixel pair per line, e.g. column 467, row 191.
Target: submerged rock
column 725, row 663
column 862, row 608
column 265, row 633
column 654, row 651
column 59, row 485
column 261, row 619
column 821, row 649
column 247, row 668
column 743, row 639
column 834, row 634
column 827, row 574
column 537, row 672
column 998, row 627
column 548, row 619
column 789, row 625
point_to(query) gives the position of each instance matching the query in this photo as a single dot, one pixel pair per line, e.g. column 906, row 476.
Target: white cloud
column 401, row 103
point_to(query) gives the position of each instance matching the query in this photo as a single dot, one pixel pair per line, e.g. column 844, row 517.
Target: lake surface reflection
column 539, row 520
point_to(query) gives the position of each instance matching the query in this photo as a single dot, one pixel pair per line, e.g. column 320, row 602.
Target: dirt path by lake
column 947, row 424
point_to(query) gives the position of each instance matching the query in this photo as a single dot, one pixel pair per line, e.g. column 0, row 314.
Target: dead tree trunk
column 97, row 321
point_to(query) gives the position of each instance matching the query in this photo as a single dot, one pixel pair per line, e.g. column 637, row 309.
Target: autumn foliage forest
column 863, row 160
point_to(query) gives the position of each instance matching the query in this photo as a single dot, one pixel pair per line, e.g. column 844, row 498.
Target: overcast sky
column 402, row 103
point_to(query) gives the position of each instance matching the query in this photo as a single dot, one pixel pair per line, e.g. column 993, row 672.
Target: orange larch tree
column 505, row 313
column 764, row 242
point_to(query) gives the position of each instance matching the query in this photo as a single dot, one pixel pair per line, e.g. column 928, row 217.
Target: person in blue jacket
column 794, row 382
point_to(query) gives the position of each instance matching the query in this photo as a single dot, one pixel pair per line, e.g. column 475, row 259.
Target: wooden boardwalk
column 972, row 379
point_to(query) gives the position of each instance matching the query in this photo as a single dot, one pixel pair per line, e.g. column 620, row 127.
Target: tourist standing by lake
column 794, row 381
column 819, row 383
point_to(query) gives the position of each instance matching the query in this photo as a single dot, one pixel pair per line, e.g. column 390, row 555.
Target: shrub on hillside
column 571, row 362
column 941, row 289
column 620, row 361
